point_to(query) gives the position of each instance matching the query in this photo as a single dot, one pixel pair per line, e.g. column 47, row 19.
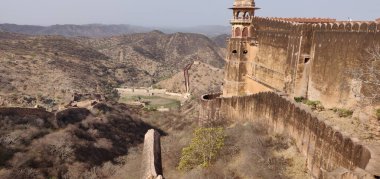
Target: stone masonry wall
column 310, row 59
column 334, row 54
column 325, row 148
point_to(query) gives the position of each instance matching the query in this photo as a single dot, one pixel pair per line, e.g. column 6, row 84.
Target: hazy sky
column 173, row 12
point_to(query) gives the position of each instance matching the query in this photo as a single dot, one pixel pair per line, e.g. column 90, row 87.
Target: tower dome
column 244, row 3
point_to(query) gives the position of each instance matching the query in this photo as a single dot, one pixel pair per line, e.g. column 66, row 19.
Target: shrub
column 5, row 155
column 343, row 112
column 378, row 114
column 203, row 149
column 299, row 99
column 150, row 108
column 315, row 105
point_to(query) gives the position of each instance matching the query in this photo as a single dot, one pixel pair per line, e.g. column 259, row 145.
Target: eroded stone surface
column 151, row 163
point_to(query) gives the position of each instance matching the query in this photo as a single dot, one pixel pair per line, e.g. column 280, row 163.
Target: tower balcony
column 241, row 20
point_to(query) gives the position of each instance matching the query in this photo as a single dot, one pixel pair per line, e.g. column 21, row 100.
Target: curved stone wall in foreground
column 327, row 150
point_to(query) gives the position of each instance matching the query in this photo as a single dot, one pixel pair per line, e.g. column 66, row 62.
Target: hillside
column 221, row 40
column 37, row 148
column 208, row 30
column 91, row 30
column 101, row 30
column 157, row 55
column 47, row 70
column 203, row 79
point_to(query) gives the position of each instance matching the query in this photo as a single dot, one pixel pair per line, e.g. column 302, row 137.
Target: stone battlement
column 326, row 148
column 305, row 20
column 317, row 24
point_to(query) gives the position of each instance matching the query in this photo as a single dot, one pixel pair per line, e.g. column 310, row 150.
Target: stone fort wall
column 326, row 149
column 303, row 59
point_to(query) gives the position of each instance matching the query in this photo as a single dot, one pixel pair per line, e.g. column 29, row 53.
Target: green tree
column 203, row 149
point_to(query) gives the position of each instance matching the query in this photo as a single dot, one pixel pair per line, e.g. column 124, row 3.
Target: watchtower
column 242, row 48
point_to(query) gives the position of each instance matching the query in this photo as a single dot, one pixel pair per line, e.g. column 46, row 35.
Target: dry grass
column 249, row 152
column 95, row 147
column 203, row 79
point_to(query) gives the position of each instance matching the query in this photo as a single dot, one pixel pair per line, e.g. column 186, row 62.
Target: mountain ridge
column 103, row 30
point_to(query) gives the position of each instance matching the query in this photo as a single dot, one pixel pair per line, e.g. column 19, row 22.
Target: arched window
column 247, row 15
column 238, row 14
column 237, row 32
column 245, row 32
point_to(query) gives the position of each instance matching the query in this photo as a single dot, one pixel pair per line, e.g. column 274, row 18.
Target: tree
column 367, row 78
column 203, row 149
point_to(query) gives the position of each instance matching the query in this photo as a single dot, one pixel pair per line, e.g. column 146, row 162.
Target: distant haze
column 172, row 13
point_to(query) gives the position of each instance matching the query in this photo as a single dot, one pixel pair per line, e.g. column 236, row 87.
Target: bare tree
column 367, row 77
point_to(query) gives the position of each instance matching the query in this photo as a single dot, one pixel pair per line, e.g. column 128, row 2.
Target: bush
column 150, row 108
column 378, row 114
column 299, row 99
column 315, row 105
column 203, row 149
column 4, row 156
column 343, row 112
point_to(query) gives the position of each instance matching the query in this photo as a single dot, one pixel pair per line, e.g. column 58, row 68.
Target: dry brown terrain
column 203, row 79
column 47, row 70
column 37, row 148
column 156, row 56
column 106, row 141
column 250, row 151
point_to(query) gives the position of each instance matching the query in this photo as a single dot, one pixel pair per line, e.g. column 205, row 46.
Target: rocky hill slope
column 221, row 40
column 156, row 56
column 49, row 69
column 100, row 30
column 204, row 79
column 36, row 147
column 91, row 30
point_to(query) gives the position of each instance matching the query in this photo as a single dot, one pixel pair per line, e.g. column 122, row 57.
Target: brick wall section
column 325, row 148
column 151, row 163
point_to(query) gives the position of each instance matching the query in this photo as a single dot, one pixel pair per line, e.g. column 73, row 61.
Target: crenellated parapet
column 305, row 20
column 266, row 23
column 373, row 27
column 326, row 148
column 294, row 24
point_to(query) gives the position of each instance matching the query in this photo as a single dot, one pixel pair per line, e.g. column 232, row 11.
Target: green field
column 152, row 102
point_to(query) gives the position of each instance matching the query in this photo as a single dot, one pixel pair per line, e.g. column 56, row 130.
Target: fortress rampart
column 326, row 149
column 301, row 59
